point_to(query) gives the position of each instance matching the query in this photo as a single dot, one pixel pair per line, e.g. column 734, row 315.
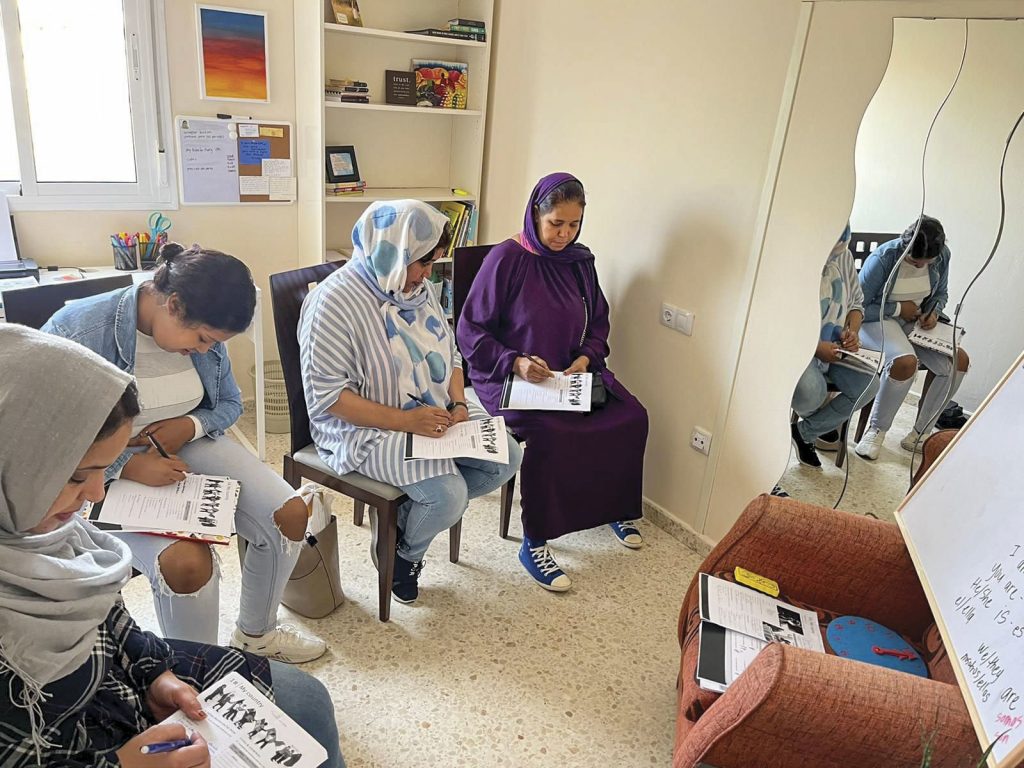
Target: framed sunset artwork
column 233, row 54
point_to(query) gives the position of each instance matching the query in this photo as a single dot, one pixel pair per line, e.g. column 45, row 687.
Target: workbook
column 939, row 338
column 474, row 439
column 559, row 393
column 244, row 729
column 199, row 507
column 867, row 360
column 737, row 622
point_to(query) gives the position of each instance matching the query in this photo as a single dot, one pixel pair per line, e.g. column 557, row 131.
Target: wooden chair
column 467, row 263
column 287, row 292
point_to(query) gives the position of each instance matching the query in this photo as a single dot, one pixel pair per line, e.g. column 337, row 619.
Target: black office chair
column 35, row 305
column 467, row 263
column 287, row 292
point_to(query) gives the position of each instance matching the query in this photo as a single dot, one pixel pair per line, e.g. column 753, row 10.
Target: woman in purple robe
column 535, row 308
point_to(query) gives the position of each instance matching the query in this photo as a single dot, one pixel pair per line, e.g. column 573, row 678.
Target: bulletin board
column 963, row 527
column 234, row 162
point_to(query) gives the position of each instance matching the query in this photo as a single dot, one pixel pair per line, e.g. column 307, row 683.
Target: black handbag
column 598, row 391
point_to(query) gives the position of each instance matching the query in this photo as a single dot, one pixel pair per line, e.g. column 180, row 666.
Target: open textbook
column 939, row 338
column 559, row 393
column 244, row 729
column 198, row 507
column 737, row 622
column 474, row 439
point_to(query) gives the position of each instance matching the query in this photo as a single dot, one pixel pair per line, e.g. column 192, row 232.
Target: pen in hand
column 156, row 444
column 165, row 746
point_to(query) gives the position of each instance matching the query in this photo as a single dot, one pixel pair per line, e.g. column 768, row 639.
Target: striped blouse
column 343, row 345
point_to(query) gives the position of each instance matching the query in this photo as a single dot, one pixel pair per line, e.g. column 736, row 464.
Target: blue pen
column 165, row 746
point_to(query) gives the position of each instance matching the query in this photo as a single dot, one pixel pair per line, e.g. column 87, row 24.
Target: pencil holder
column 147, row 254
column 126, row 257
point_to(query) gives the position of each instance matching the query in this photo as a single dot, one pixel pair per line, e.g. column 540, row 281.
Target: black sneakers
column 405, row 584
column 804, row 451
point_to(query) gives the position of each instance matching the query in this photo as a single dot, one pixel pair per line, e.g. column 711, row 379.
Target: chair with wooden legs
column 287, row 292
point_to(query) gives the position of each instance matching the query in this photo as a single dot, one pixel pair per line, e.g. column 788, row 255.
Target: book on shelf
column 347, row 88
column 477, row 32
column 460, row 215
column 347, row 12
column 347, row 98
column 442, row 84
column 475, row 24
column 435, row 32
column 474, row 218
column 400, row 88
column 343, row 82
column 335, row 190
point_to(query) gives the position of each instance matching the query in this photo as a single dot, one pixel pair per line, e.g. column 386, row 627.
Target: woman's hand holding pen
column 172, row 433
column 427, row 420
column 532, row 368
column 195, row 756
column 849, row 340
column 150, row 468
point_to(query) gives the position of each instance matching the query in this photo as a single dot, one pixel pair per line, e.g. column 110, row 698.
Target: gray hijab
column 56, row 588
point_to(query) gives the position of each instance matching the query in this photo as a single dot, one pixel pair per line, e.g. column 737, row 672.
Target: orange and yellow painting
column 233, row 54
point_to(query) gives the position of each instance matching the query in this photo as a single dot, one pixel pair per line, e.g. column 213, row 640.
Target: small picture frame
column 341, row 164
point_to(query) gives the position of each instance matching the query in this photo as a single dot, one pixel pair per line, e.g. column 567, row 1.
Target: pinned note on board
column 226, row 163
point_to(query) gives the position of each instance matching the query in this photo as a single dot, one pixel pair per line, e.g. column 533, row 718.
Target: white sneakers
column 286, row 643
column 870, row 444
column 914, row 441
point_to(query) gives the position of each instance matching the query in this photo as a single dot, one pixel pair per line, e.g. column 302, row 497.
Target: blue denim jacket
column 878, row 267
column 106, row 324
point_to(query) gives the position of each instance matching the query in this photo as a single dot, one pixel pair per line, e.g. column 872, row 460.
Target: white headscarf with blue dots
column 388, row 237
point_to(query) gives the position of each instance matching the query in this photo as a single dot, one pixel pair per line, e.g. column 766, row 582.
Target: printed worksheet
column 867, row 360
column 474, row 439
column 244, row 729
column 201, row 504
column 723, row 655
column 561, row 393
column 755, row 614
column 939, row 338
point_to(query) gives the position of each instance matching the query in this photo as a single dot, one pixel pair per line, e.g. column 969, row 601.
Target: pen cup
column 147, row 254
column 126, row 257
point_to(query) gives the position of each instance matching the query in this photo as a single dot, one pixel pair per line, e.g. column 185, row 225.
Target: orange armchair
column 793, row 707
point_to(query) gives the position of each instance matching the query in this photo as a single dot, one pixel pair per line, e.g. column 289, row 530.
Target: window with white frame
column 82, row 104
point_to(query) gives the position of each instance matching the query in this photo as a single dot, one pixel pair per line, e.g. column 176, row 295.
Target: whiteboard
column 222, row 162
column 964, row 527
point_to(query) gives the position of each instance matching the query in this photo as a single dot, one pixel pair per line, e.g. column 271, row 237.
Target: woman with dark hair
column 378, row 362
column 535, row 308
column 83, row 685
column 170, row 333
column 916, row 295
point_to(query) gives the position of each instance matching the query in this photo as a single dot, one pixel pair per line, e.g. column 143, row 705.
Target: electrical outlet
column 700, row 440
column 684, row 321
column 668, row 316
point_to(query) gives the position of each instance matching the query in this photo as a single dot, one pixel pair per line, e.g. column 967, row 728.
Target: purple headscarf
column 529, row 238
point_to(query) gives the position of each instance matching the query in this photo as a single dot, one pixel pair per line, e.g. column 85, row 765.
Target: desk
column 254, row 333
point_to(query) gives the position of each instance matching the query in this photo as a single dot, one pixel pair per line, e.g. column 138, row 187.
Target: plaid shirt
column 92, row 712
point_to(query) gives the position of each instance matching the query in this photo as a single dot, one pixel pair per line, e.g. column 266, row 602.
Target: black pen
column 157, row 445
column 417, row 400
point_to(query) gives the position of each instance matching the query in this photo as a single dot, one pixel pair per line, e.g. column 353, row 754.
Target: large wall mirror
column 932, row 139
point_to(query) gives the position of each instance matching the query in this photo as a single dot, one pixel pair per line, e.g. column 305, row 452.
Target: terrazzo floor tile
column 487, row 669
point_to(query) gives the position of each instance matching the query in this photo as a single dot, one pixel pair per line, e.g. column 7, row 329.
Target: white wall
column 264, row 237
column 962, row 169
column 666, row 112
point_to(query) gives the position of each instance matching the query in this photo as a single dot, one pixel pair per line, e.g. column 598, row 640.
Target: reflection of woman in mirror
column 536, row 309
column 842, row 310
column 918, row 295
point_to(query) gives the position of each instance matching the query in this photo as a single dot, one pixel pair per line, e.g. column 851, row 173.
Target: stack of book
column 346, row 188
column 463, row 218
column 459, row 29
column 350, row 91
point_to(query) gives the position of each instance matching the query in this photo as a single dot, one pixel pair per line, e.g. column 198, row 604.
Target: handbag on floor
column 314, row 588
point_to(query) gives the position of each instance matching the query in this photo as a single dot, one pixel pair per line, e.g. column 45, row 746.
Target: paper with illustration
column 474, row 439
column 559, row 393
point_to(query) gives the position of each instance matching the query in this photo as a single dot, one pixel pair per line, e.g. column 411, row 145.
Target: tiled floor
column 876, row 486
column 487, row 669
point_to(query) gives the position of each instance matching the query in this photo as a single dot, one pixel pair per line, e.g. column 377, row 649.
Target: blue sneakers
column 538, row 562
column 628, row 534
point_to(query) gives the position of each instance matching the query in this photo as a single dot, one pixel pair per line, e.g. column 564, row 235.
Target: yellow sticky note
column 270, row 132
column 755, row 581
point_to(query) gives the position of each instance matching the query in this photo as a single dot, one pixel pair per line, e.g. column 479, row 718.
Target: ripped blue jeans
column 269, row 559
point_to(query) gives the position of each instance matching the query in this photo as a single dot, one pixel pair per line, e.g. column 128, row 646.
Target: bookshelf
column 402, row 151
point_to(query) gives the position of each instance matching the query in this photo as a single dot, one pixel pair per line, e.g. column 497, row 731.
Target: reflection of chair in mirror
column 794, row 707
